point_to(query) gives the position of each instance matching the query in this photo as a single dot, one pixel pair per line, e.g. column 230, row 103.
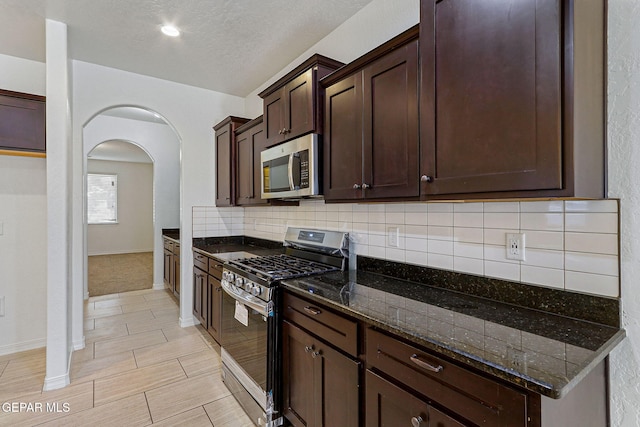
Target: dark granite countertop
column 172, row 233
column 234, row 247
column 543, row 352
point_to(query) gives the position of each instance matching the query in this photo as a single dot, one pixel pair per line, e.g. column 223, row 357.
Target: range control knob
column 256, row 291
column 239, row 282
column 248, row 285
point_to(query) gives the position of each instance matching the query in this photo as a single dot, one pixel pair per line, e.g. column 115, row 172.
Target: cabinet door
column 249, row 146
column 176, row 275
column 343, row 139
column 320, row 384
column 168, row 264
column 22, row 122
column 388, row 405
column 225, row 168
column 298, row 376
column 390, row 115
column 491, row 103
column 274, row 113
column 300, row 105
column 200, row 295
column 214, row 305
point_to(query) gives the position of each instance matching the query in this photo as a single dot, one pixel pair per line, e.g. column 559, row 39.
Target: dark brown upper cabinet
column 250, row 141
column 225, row 147
column 371, row 137
column 22, row 123
column 293, row 104
column 512, row 98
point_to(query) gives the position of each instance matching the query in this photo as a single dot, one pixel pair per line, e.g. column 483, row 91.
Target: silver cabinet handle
column 365, row 186
column 308, row 348
column 426, row 178
column 312, row 310
column 414, row 358
column 316, row 354
column 357, row 186
column 416, row 421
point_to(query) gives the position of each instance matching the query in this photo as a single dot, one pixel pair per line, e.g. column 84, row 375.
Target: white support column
column 58, row 202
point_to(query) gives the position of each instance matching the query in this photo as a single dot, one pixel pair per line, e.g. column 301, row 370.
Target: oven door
column 243, row 337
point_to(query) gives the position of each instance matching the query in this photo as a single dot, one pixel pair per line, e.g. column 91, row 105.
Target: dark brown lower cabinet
column 214, row 301
column 200, row 285
column 388, row 405
column 176, row 271
column 320, row 383
column 168, row 265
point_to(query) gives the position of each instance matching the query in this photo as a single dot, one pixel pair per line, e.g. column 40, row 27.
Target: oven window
column 247, row 345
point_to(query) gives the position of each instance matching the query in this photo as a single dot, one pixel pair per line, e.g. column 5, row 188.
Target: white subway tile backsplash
column 542, row 276
column 542, row 221
column 591, row 263
column 608, row 206
column 571, row 244
column 592, row 283
column 444, row 262
column 545, row 239
column 542, row 206
column 592, row 222
column 468, row 219
column 443, row 247
column 468, row 235
column 544, row 258
column 502, row 207
column 502, row 220
column 502, row 270
column 468, row 265
column 597, row 243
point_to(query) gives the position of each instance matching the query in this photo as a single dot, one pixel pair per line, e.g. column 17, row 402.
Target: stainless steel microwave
column 290, row 169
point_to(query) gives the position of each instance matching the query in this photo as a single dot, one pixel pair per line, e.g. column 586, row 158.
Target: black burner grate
column 278, row 267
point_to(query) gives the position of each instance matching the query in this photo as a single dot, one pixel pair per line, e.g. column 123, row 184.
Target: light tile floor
column 138, row 368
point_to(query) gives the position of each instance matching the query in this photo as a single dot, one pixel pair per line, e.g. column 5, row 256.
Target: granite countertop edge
column 502, row 372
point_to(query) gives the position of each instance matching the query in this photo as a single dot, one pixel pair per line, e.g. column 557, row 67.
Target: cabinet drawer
column 201, row 261
column 168, row 244
column 215, row 268
column 476, row 398
column 332, row 327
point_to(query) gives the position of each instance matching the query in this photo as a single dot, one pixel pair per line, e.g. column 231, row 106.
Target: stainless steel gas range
column 250, row 336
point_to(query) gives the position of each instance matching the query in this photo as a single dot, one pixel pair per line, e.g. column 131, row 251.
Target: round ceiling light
column 170, row 30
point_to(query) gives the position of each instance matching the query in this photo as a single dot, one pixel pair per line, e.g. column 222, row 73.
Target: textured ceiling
column 231, row 46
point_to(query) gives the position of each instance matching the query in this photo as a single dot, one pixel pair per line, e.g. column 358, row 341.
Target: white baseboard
column 79, row 345
column 158, row 286
column 189, row 321
column 56, row 382
column 23, row 346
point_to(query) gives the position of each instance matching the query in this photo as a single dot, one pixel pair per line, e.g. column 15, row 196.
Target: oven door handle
column 290, row 171
column 248, row 300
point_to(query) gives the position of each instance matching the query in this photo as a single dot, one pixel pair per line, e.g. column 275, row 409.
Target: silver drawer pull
column 312, row 310
column 414, row 358
column 416, row 421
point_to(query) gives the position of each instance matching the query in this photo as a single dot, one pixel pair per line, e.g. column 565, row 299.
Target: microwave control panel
column 304, row 169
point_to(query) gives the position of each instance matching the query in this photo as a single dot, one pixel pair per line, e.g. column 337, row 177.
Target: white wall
column 23, row 244
column 134, row 229
column 376, row 23
column 624, row 176
column 191, row 111
column 162, row 144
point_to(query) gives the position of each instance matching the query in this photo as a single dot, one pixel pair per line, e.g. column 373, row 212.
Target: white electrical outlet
column 2, row 306
column 516, row 246
column 1, row 228
column 393, row 236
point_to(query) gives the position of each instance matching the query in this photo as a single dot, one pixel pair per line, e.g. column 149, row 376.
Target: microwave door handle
column 290, row 171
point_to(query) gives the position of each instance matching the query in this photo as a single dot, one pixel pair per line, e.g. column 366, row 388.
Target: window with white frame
column 102, row 198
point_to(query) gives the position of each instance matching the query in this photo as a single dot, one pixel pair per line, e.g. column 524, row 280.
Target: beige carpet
column 112, row 274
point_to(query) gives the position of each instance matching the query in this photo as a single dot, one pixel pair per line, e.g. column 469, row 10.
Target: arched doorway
column 129, row 128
